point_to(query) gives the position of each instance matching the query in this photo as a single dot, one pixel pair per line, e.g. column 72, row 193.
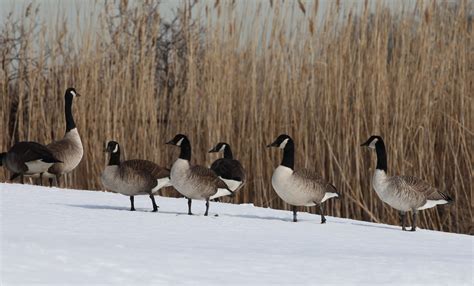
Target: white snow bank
column 54, row 236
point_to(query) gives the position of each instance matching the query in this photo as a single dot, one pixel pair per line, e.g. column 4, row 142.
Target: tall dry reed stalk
column 246, row 73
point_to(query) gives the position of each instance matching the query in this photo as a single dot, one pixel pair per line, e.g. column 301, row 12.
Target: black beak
column 169, row 142
column 274, row 144
column 213, row 150
column 78, row 94
column 366, row 144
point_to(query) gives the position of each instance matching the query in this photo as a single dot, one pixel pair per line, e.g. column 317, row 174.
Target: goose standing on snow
column 27, row 158
column 228, row 169
column 302, row 187
column 194, row 182
column 69, row 149
column 133, row 177
column 403, row 193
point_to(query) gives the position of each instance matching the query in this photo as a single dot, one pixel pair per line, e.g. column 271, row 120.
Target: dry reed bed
column 245, row 75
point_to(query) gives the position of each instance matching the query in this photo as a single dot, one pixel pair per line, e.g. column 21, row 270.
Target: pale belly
column 179, row 180
column 187, row 190
column 112, row 182
column 289, row 190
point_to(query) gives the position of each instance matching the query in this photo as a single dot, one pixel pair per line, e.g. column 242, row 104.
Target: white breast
column 387, row 195
column 180, row 179
column 289, row 189
column 77, row 152
column 379, row 182
column 109, row 178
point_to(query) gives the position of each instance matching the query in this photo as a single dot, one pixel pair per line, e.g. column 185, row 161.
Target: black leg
column 207, row 207
column 321, row 209
column 155, row 207
column 404, row 220
column 58, row 182
column 41, row 179
column 294, row 208
column 189, row 206
column 14, row 176
column 22, row 178
column 132, row 203
column 413, row 227
column 50, row 182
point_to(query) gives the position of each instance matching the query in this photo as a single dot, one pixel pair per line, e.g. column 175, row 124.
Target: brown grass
column 244, row 75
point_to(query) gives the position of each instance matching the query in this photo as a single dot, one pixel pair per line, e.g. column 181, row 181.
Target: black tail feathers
column 335, row 190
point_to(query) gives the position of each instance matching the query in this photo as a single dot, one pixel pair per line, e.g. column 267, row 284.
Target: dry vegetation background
column 218, row 73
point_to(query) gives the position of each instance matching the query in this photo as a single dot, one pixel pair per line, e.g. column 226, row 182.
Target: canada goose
column 194, row 182
column 133, row 177
column 27, row 158
column 228, row 169
column 69, row 149
column 403, row 193
column 302, row 187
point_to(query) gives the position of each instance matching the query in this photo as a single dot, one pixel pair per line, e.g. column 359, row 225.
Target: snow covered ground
column 54, row 236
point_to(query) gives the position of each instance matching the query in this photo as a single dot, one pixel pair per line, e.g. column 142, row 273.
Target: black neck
column 2, row 157
column 185, row 150
column 381, row 156
column 70, row 124
column 289, row 155
column 115, row 158
column 228, row 153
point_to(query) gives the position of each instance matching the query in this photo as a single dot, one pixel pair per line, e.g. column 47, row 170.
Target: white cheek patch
column 73, row 93
column 179, row 142
column 115, row 149
column 372, row 144
column 283, row 144
column 222, row 148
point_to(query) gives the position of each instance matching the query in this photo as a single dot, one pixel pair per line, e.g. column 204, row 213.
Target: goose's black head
column 182, row 142
column 286, row 143
column 223, row 147
column 112, row 147
column 178, row 140
column 372, row 142
column 281, row 141
column 71, row 93
column 220, row 147
column 376, row 142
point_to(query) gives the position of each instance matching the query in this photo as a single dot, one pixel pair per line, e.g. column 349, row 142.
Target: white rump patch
column 283, row 144
column 37, row 166
column 432, row 203
column 231, row 184
column 163, row 182
column 328, row 196
column 180, row 141
column 220, row 193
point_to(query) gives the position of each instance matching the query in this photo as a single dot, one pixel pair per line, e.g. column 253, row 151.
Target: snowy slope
column 54, row 236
